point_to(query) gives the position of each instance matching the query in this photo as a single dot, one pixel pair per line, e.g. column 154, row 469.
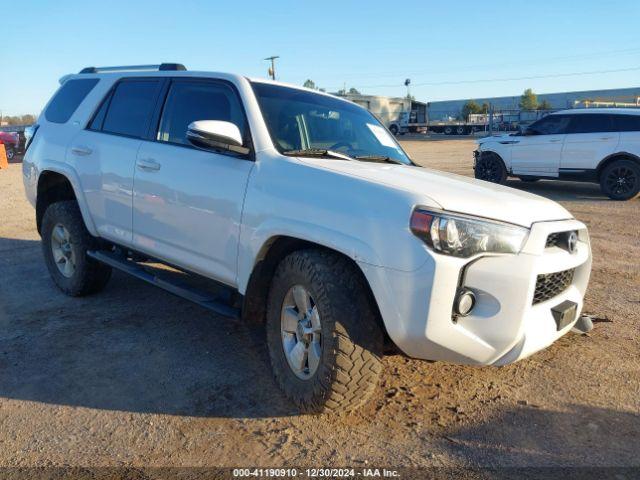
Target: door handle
column 555, row 140
column 148, row 165
column 81, row 150
column 606, row 138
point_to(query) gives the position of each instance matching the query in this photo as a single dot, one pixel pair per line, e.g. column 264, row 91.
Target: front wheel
column 491, row 168
column 394, row 129
column 10, row 153
column 65, row 241
column 324, row 341
column 620, row 180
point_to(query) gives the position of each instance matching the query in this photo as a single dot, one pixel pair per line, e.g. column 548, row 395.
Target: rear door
column 628, row 126
column 188, row 202
column 538, row 152
column 105, row 154
column 590, row 138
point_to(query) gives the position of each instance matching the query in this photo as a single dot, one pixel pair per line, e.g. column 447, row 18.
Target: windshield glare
column 300, row 120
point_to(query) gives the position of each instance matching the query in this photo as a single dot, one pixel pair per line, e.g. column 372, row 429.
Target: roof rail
column 135, row 68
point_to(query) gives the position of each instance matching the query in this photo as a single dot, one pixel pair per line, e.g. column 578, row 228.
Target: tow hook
column 583, row 325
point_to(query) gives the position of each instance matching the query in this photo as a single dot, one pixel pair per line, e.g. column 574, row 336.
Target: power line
column 527, row 62
column 511, row 79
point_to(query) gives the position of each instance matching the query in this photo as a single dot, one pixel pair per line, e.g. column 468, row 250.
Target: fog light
column 464, row 303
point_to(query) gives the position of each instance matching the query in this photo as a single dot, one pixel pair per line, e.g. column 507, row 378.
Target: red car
column 10, row 141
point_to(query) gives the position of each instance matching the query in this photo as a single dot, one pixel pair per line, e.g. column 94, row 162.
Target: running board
column 202, row 298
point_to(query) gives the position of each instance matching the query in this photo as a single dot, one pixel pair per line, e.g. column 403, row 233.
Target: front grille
column 553, row 239
column 549, row 285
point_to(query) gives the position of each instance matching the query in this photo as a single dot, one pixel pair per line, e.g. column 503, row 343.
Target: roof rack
column 135, row 68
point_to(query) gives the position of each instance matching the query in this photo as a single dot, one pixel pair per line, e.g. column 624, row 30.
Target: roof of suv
column 586, row 111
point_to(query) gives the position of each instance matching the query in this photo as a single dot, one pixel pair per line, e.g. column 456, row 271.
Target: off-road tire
column 352, row 340
column 490, row 168
column 631, row 172
column 90, row 276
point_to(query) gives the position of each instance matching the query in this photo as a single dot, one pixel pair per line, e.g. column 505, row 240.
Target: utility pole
column 272, row 69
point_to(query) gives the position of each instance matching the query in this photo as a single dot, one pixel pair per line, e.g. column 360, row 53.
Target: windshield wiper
column 317, row 152
column 378, row 158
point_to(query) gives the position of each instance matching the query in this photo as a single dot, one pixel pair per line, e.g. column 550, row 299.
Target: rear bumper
column 505, row 325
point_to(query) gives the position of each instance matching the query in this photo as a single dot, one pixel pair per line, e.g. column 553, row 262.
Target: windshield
column 304, row 121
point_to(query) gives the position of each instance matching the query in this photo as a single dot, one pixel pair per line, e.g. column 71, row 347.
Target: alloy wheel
column 300, row 328
column 62, row 248
column 621, row 180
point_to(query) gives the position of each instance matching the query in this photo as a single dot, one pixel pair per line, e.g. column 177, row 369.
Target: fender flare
column 354, row 248
column 69, row 173
column 601, row 165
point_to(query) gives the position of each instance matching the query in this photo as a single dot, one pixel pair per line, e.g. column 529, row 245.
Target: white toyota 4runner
column 302, row 211
column 584, row 145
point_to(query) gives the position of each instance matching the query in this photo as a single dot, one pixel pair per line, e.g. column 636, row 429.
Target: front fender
column 255, row 241
column 502, row 151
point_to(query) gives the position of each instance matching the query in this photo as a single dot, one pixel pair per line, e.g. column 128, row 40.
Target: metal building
column 443, row 110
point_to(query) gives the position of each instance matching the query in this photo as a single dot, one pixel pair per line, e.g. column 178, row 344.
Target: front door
column 539, row 150
column 188, row 202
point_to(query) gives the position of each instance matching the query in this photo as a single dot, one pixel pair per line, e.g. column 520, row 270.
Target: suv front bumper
column 505, row 325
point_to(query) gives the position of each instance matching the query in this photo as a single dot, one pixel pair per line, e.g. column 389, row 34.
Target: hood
column 452, row 192
column 504, row 138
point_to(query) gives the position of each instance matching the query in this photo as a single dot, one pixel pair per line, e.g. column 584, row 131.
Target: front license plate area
column 564, row 313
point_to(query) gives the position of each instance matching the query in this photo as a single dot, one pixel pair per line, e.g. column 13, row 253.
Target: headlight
column 462, row 236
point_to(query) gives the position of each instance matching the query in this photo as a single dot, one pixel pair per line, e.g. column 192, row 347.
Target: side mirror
column 216, row 135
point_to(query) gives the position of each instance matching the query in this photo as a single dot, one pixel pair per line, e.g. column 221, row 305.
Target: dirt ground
column 135, row 376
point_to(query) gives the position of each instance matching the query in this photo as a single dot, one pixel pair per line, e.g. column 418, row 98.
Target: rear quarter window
column 68, row 98
column 627, row 123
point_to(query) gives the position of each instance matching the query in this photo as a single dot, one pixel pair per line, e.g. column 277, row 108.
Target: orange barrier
column 3, row 157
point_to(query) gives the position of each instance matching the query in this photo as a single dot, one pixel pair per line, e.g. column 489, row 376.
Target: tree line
column 528, row 102
column 27, row 119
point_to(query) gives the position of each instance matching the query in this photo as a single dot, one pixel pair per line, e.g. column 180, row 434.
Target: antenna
column 272, row 69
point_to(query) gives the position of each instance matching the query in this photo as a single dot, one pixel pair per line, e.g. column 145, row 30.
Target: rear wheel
column 393, row 129
column 324, row 341
column 65, row 241
column 491, row 168
column 620, row 180
column 10, row 153
column 448, row 130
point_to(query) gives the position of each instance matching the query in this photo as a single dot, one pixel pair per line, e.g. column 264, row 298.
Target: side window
column 551, row 125
column 130, row 108
column 68, row 99
column 98, row 119
column 188, row 101
column 626, row 123
column 589, row 123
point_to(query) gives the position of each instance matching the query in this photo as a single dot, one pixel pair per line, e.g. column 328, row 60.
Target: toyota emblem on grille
column 572, row 242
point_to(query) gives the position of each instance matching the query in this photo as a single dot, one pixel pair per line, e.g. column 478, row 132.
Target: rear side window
column 68, row 98
column 590, row 123
column 130, row 108
column 189, row 101
column 627, row 123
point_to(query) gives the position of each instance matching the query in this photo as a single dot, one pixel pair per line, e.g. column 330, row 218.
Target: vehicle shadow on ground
column 571, row 435
column 561, row 191
column 132, row 347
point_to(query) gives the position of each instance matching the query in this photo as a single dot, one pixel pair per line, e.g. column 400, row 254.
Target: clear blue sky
column 371, row 45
